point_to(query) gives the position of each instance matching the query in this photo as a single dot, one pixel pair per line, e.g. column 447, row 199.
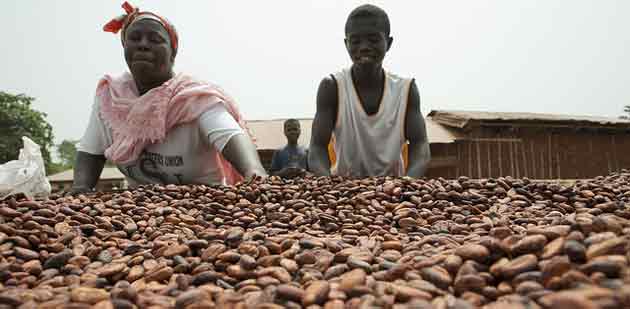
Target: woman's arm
column 241, row 153
column 87, row 170
column 90, row 160
column 224, row 134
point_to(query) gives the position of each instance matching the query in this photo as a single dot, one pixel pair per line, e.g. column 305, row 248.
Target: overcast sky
column 568, row 57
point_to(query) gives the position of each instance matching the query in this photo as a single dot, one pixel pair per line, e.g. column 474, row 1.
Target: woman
column 158, row 126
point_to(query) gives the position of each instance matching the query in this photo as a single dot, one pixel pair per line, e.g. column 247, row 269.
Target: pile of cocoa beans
column 323, row 243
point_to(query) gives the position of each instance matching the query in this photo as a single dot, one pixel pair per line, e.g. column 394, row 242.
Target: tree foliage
column 17, row 119
column 626, row 109
column 67, row 151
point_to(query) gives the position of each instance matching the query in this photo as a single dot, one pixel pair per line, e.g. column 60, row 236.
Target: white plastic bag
column 25, row 175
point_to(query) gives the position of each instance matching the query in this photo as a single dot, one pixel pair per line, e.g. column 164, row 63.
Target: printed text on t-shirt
column 164, row 160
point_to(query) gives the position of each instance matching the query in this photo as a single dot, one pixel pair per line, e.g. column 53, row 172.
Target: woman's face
column 148, row 51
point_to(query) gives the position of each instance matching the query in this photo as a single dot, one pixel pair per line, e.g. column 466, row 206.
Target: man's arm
column 87, row 170
column 241, row 153
column 323, row 125
column 419, row 153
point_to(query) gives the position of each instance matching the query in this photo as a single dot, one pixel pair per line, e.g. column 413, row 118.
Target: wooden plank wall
column 539, row 154
column 442, row 151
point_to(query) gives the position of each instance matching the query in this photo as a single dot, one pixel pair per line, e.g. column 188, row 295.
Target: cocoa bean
column 529, row 244
column 290, row 292
column 616, row 245
column 316, row 293
column 352, row 278
column 58, row 260
column 519, row 265
column 88, row 295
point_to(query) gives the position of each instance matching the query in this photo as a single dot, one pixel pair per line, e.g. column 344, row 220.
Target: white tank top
column 370, row 145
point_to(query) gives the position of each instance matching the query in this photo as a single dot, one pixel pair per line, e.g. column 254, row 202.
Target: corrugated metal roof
column 438, row 133
column 269, row 134
column 460, row 119
column 109, row 173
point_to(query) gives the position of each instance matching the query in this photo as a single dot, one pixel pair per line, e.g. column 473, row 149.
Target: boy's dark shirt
column 289, row 156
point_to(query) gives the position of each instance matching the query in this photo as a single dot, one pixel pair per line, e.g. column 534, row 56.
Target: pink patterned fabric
column 137, row 121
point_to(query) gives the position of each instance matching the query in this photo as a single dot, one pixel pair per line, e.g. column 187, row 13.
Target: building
column 493, row 144
column 111, row 179
column 537, row 146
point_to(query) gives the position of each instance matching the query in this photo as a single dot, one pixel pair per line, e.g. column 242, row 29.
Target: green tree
column 17, row 119
column 67, row 152
column 626, row 109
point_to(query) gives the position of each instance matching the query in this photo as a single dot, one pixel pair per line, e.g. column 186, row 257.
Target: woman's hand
column 241, row 153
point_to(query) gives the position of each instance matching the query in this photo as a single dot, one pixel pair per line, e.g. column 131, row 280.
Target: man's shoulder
column 327, row 93
column 331, row 79
column 328, row 82
column 397, row 77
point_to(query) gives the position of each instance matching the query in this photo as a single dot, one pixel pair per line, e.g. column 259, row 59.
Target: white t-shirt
column 186, row 156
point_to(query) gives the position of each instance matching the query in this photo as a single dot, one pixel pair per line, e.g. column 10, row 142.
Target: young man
column 291, row 160
column 372, row 113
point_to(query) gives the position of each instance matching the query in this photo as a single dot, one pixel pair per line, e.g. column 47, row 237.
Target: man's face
column 292, row 131
column 366, row 43
column 148, row 50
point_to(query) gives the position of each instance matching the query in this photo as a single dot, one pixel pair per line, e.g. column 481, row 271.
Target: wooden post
column 543, row 167
column 470, row 159
column 614, row 150
column 489, row 147
column 525, row 165
column 533, row 160
column 478, row 159
column 459, row 159
column 549, row 156
column 517, row 162
column 500, row 159
column 512, row 170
